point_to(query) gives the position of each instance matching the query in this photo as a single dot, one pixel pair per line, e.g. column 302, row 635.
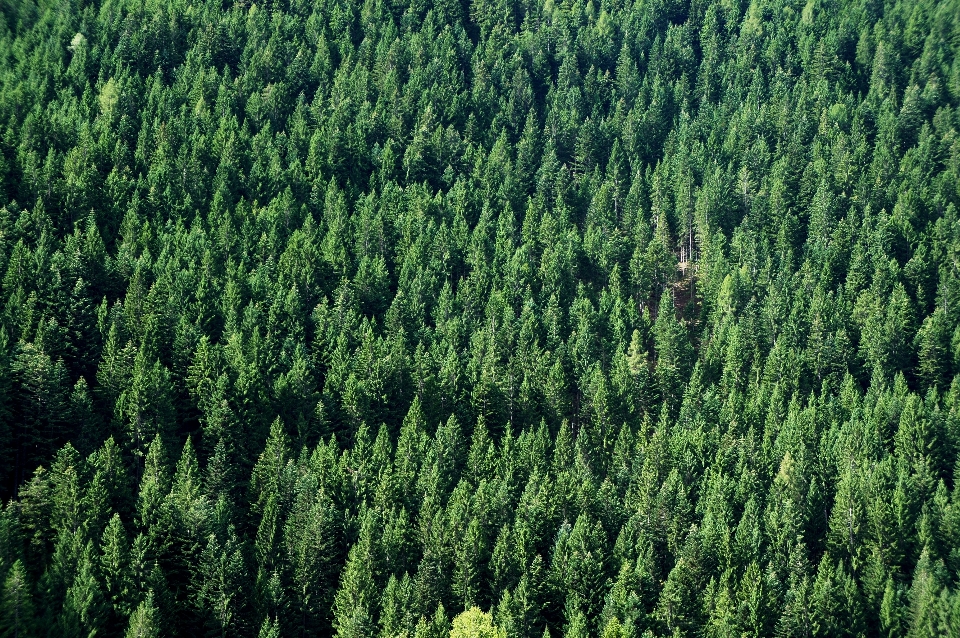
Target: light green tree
column 474, row 623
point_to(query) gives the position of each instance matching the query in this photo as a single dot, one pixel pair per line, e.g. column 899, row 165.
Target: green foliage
column 17, row 609
column 612, row 318
column 474, row 623
column 143, row 621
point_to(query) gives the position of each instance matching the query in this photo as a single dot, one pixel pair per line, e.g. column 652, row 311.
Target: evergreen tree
column 18, row 611
column 143, row 620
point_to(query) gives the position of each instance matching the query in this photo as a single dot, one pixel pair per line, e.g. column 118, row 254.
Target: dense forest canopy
column 522, row 318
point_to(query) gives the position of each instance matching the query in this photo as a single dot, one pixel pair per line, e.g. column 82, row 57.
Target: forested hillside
column 614, row 318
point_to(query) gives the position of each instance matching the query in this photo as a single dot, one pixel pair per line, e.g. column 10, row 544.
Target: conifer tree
column 143, row 620
column 18, row 609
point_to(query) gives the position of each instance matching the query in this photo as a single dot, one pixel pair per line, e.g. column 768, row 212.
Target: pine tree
column 221, row 588
column 145, row 407
column 313, row 537
column 118, row 589
column 354, row 600
column 269, row 629
column 143, row 620
column 17, row 609
column 672, row 350
column 83, row 607
column 154, row 484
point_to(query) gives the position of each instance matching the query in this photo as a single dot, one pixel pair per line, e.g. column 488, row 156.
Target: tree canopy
column 531, row 318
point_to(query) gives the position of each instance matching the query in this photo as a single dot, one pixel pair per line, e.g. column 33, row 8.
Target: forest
column 479, row 318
